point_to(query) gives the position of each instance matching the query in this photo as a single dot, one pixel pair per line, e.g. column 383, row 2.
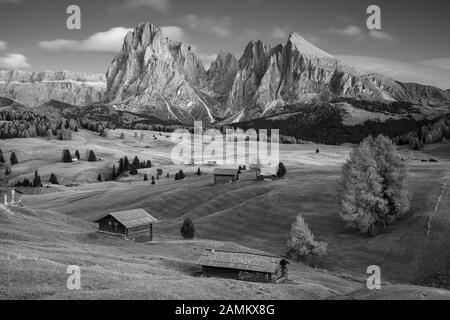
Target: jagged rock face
column 36, row 88
column 155, row 75
column 221, row 74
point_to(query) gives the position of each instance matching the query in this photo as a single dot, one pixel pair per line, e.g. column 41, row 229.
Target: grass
column 56, row 230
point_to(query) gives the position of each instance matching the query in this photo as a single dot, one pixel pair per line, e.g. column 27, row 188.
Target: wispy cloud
column 106, row 41
column 159, row 5
column 3, row 45
column 402, row 71
column 14, row 61
column 441, row 63
column 218, row 26
column 281, row 33
column 359, row 34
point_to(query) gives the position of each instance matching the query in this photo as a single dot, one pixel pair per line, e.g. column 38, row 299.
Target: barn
column 243, row 266
column 224, row 175
column 134, row 224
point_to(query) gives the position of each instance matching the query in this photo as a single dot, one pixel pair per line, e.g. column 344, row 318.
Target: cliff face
column 165, row 78
column 35, row 88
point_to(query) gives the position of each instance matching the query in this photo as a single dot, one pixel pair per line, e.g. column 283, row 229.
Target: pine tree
column 53, row 179
column 145, row 177
column 99, row 178
column 37, row 180
column 92, row 157
column 153, row 180
column 187, row 229
column 66, row 156
column 77, row 154
column 199, row 173
column 126, row 164
column 133, row 170
column 301, row 244
column 2, row 159
column 136, row 162
column 121, row 167
column 13, row 159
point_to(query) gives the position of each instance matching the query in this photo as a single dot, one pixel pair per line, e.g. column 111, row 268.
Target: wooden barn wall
column 223, row 179
column 221, row 272
column 139, row 232
column 104, row 226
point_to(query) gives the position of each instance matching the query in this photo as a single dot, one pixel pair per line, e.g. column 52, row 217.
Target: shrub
column 373, row 191
column 179, row 175
column 133, row 170
column 122, row 135
column 281, row 170
column 66, row 156
column 301, row 244
column 13, row 159
column 53, row 179
column 92, row 157
column 187, row 229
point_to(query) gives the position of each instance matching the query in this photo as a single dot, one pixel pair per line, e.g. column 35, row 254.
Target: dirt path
column 436, row 207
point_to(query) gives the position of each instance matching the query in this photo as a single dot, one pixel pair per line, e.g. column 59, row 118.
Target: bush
column 122, row 135
column 302, row 245
column 13, row 159
column 133, row 170
column 373, row 190
column 66, row 156
column 92, row 157
column 53, row 179
column 281, row 170
column 187, row 229
column 179, row 175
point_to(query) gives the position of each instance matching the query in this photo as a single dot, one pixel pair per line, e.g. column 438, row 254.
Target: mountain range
column 157, row 76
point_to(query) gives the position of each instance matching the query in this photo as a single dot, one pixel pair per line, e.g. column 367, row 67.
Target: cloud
column 360, row 34
column 441, row 63
column 207, row 59
column 14, row 61
column 218, row 26
column 107, row 41
column 174, row 33
column 402, row 71
column 280, row 32
column 3, row 45
column 159, row 5
column 348, row 31
column 380, row 35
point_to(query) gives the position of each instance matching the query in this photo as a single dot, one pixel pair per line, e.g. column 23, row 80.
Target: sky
column 412, row 46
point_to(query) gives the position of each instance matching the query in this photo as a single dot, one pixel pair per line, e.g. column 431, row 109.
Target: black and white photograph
column 243, row 153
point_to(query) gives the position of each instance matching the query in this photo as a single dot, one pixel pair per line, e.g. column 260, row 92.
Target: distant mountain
column 36, row 88
column 155, row 75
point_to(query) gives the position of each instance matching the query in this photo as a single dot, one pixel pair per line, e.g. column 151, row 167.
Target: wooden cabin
column 244, row 266
column 134, row 224
column 224, row 175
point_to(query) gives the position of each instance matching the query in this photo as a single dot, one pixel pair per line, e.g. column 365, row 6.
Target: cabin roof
column 131, row 218
column 241, row 261
column 225, row 171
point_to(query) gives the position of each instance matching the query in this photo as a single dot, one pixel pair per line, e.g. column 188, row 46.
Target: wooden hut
column 134, row 224
column 224, row 175
column 244, row 266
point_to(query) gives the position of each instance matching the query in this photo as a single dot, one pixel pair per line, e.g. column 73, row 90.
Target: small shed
column 225, row 175
column 244, row 266
column 134, row 224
